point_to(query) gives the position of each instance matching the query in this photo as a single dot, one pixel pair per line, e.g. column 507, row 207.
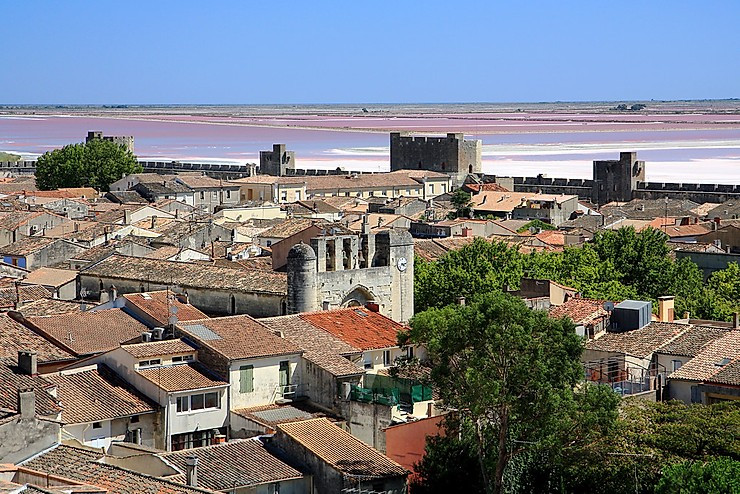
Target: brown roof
column 181, row 377
column 290, row 227
column 84, row 333
column 11, row 381
column 159, row 306
column 51, row 306
column 98, row 394
column 320, row 347
column 30, row 293
column 15, row 337
column 638, row 342
column 82, row 465
column 13, row 219
column 357, row 326
column 433, row 249
column 713, row 361
column 50, row 277
column 235, row 464
column 580, row 310
column 340, row 449
column 156, row 348
column 504, row 202
column 185, row 274
column 238, row 337
column 202, row 181
column 26, row 245
column 692, row 341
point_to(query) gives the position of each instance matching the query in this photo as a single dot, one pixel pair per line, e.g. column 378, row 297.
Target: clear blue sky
column 367, row 51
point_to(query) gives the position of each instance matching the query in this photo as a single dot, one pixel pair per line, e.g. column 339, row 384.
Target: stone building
column 615, row 180
column 277, row 161
column 353, row 270
column 451, row 154
column 125, row 141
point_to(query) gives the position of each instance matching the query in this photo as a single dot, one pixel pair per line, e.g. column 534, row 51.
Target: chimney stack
column 112, row 293
column 27, row 403
column 28, row 362
column 126, row 216
column 665, row 308
column 191, row 470
column 219, row 439
column 736, row 320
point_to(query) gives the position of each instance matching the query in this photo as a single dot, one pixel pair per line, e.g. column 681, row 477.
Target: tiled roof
column 11, row 380
column 31, row 293
column 357, row 326
column 397, row 179
column 505, row 202
column 638, row 342
column 98, row 394
column 13, row 219
column 202, row 181
column 271, row 415
column 50, row 306
column 159, row 307
column 156, row 348
column 320, row 347
column 235, row 464
column 50, row 277
column 290, row 227
column 692, row 341
column 340, row 449
column 431, row 250
column 181, row 377
column 26, row 245
column 686, row 230
column 579, row 310
column 15, row 337
column 89, row 332
column 186, row 274
column 82, row 465
column 238, row 337
column 709, row 362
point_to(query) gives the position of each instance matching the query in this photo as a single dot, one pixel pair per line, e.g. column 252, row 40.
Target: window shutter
column 246, row 378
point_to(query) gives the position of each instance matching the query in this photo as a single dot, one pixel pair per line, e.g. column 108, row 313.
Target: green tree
column 721, row 295
column 510, row 373
column 462, row 202
column 537, row 225
column 96, row 164
column 719, row 476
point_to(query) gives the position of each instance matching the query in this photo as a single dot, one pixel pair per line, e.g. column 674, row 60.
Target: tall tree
column 510, row 373
column 96, row 164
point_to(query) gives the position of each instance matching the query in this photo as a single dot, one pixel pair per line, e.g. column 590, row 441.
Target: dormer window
column 182, row 358
column 149, row 363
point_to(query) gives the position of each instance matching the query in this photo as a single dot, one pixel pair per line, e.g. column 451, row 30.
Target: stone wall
column 23, row 438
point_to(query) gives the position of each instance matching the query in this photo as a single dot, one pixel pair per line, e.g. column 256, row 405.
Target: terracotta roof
column 552, row 237
column 320, row 347
column 271, row 415
column 202, row 181
column 714, row 358
column 83, row 465
column 181, row 377
column 186, row 274
column 357, row 326
column 156, row 348
column 15, row 337
column 580, row 310
column 51, row 306
column 157, row 306
column 686, row 230
column 238, row 337
column 290, row 227
column 235, row 464
column 98, row 394
column 475, row 188
column 638, row 342
column 508, row 201
column 31, row 293
column 13, row 219
column 433, row 249
column 50, row 277
column 26, row 245
column 84, row 333
column 692, row 341
column 11, row 380
column 340, row 449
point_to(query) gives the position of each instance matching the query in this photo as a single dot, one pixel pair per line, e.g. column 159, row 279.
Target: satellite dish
column 608, row 306
column 173, row 309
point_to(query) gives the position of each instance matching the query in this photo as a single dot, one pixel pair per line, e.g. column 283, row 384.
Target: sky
column 280, row 52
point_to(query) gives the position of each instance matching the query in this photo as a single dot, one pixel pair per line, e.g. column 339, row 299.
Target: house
column 165, row 189
column 266, row 188
column 158, row 308
column 376, row 221
column 87, row 333
column 261, row 366
column 727, row 237
column 194, row 399
column 15, row 224
column 241, row 466
column 209, row 193
column 73, row 209
column 316, row 209
column 15, row 338
column 458, row 227
column 62, row 283
column 338, row 461
column 550, row 208
column 712, row 375
column 99, row 407
column 289, row 228
column 212, row 289
column 402, row 206
column 37, row 252
column 589, row 316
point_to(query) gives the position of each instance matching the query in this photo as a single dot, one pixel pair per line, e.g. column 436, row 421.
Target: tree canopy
column 96, row 164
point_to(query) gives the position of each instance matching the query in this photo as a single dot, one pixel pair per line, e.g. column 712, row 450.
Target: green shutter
column 246, row 378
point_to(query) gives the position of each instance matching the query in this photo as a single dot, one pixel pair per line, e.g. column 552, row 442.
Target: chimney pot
column 191, row 470
column 28, row 362
column 27, row 403
column 736, row 320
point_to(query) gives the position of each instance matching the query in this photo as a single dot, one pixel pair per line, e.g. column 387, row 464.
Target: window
column 246, row 378
column 410, row 352
column 202, row 195
column 228, row 194
column 135, row 419
column 182, row 358
column 387, row 357
column 284, row 196
column 97, row 425
column 211, row 400
column 368, row 362
column 149, row 363
column 197, row 402
column 269, row 243
column 183, row 404
column 676, row 364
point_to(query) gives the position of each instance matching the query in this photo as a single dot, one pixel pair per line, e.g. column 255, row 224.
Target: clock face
column 402, row 264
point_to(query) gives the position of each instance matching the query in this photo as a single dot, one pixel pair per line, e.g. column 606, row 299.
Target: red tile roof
column 357, row 326
column 638, row 342
column 15, row 337
column 580, row 310
column 158, row 305
column 181, row 377
column 708, row 364
column 158, row 348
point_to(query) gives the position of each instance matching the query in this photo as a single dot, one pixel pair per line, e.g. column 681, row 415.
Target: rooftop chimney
column 665, row 308
column 126, row 216
column 112, row 293
column 736, row 320
column 28, row 362
column 219, row 439
column 372, row 306
column 460, row 300
column 27, row 403
column 191, row 470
